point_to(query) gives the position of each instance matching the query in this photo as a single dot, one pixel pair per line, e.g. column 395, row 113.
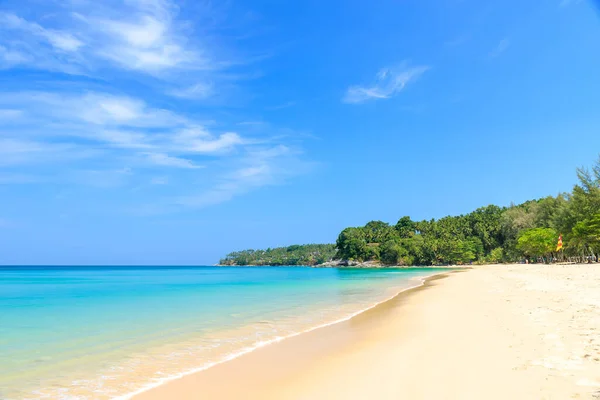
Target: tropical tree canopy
column 488, row 234
column 538, row 242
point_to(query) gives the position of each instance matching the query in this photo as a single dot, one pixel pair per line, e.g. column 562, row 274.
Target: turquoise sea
column 108, row 332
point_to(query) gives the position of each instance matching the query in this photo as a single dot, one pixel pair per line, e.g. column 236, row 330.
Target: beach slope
column 494, row 332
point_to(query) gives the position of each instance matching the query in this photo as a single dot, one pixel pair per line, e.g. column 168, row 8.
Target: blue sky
column 168, row 132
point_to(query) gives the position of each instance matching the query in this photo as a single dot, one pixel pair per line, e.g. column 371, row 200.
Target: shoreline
column 356, row 266
column 495, row 332
column 422, row 282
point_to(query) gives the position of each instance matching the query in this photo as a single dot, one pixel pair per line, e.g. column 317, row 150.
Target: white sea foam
column 158, row 382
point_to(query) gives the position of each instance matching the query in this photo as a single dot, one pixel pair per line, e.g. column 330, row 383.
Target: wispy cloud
column 261, row 167
column 198, row 91
column 110, row 110
column 117, row 121
column 16, row 151
column 101, row 178
column 171, row 161
column 125, row 136
column 500, row 48
column 126, row 116
column 138, row 35
column 13, row 57
column 95, row 38
column 388, row 83
column 59, row 40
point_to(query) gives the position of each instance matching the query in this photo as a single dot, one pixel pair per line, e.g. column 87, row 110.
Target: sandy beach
column 492, row 332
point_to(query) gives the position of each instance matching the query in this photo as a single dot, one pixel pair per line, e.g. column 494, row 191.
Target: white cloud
column 180, row 52
column 197, row 139
column 12, row 57
column 95, row 134
column 91, row 137
column 138, row 35
column 103, row 109
column 15, row 151
column 146, row 44
column 193, row 132
column 198, row 91
column 388, row 83
column 260, row 168
column 145, row 33
column 500, row 48
column 63, row 41
column 113, row 109
column 102, row 178
column 224, row 142
column 110, row 130
column 170, row 161
column 96, row 109
column 108, row 121
column 234, row 184
column 123, row 138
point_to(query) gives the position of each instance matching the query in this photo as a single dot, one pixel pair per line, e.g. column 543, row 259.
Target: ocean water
column 108, row 332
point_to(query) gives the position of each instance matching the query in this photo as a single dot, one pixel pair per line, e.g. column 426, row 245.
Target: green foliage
column 537, row 242
column 351, row 244
column 489, row 234
column 487, row 226
column 378, row 232
column 586, row 235
column 405, row 227
column 495, row 256
column 309, row 254
column 393, row 253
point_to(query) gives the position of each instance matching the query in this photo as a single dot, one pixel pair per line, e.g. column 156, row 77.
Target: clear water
column 103, row 332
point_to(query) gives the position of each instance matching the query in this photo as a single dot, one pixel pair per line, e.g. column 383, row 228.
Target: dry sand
column 494, row 332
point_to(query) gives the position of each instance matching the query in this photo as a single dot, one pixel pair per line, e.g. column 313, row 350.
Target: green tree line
column 308, row 254
column 490, row 234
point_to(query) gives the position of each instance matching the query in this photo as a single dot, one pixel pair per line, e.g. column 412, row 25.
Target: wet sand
column 493, row 332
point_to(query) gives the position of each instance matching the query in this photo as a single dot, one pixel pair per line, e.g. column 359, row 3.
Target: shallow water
column 103, row 332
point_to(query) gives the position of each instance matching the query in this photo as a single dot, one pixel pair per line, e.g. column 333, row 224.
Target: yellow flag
column 559, row 246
